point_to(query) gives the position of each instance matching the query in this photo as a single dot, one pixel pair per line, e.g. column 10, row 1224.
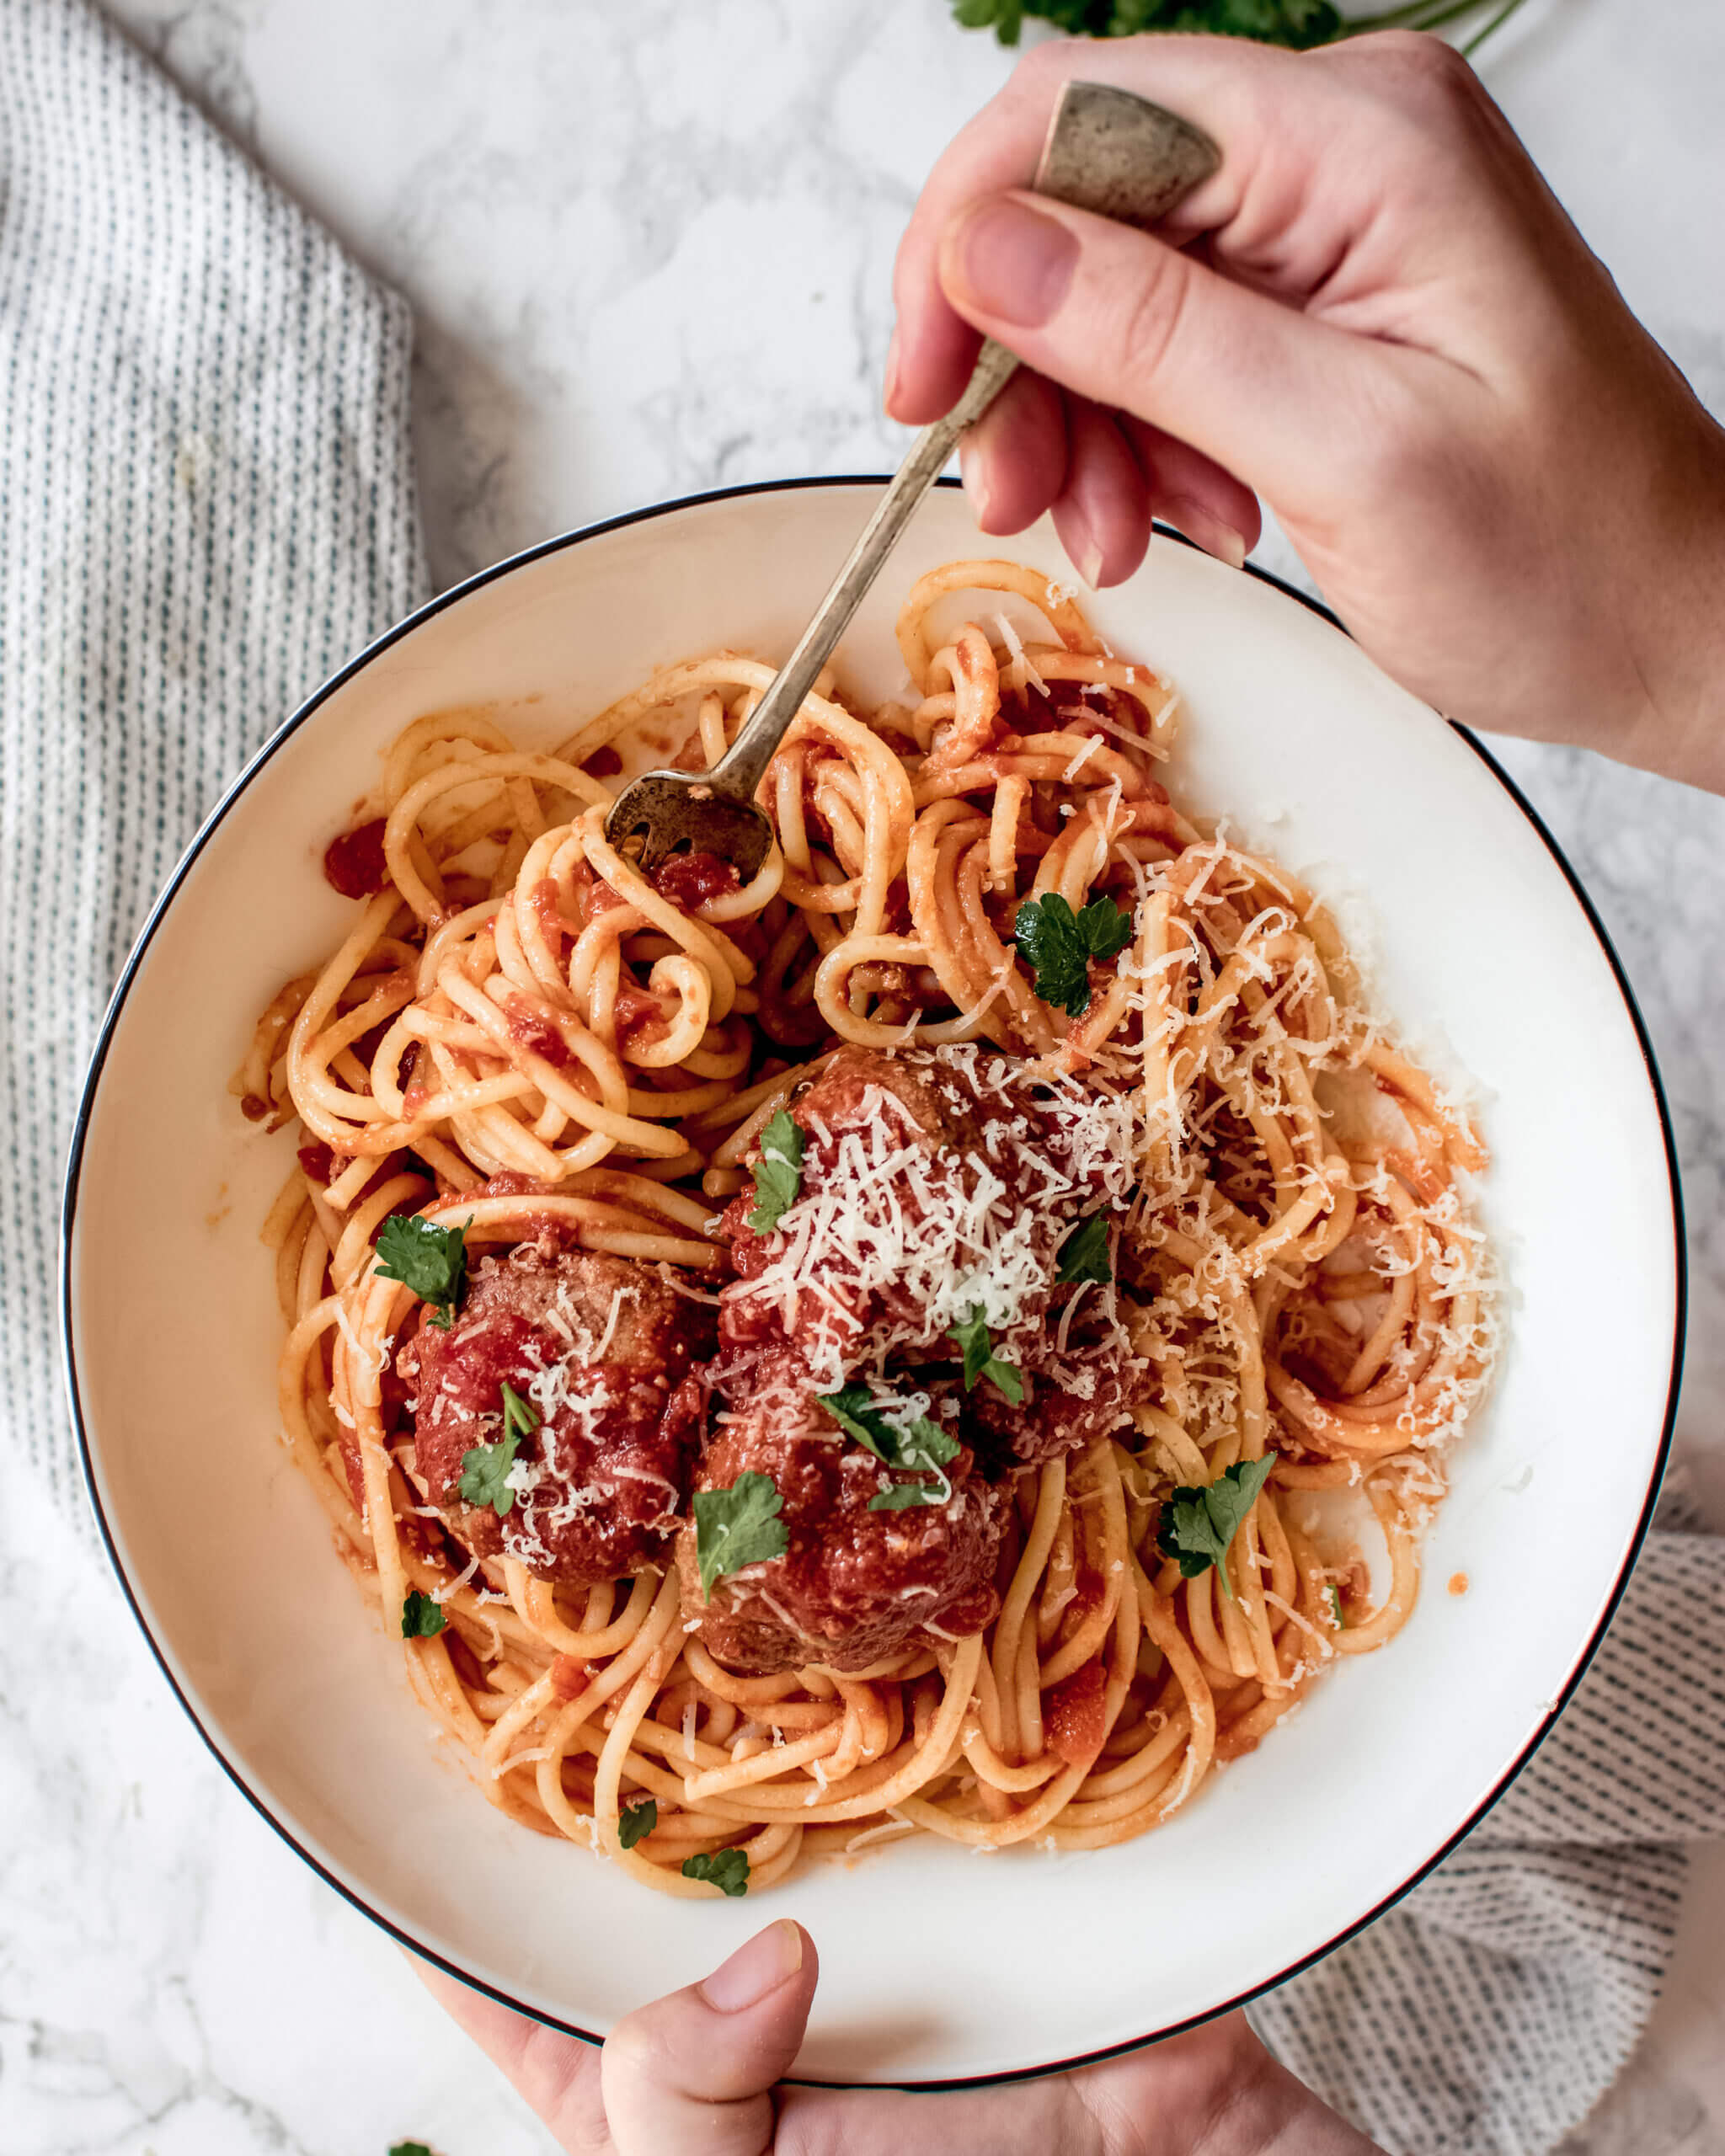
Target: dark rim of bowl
column 86, row 1108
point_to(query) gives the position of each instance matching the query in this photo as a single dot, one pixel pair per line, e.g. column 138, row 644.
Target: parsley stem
column 1414, row 14
column 1495, row 23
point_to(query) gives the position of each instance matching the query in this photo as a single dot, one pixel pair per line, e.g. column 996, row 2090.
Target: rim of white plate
column 213, row 1737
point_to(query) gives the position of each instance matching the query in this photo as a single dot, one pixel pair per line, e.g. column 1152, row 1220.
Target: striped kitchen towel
column 206, row 503
column 1488, row 2014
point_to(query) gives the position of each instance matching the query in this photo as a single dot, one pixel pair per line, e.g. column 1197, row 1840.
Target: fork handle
column 1106, row 151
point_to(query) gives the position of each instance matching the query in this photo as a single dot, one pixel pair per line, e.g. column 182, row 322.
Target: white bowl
column 936, row 1968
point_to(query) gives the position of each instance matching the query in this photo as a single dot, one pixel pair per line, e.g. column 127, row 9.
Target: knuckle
column 1416, row 72
column 1048, row 63
column 633, row 2049
column 1141, row 325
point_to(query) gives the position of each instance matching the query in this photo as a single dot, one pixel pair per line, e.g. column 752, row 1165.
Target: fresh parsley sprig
column 1084, row 1255
column 726, row 1869
column 737, row 1527
column 1199, row 1522
column 779, row 1173
column 1060, row 945
column 976, row 1344
column 918, row 1447
column 485, row 1468
column 1299, row 23
column 637, row 1820
column 430, row 1260
column 421, row 1618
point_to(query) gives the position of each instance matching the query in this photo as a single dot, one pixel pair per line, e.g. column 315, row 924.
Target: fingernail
column 1206, row 530
column 754, row 1970
column 973, row 476
column 1010, row 261
column 892, row 372
column 1082, row 545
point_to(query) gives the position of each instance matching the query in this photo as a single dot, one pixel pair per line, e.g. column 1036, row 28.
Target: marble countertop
column 649, row 248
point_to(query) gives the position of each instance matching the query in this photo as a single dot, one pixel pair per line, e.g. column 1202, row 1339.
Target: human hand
column 1376, row 315
column 694, row 2074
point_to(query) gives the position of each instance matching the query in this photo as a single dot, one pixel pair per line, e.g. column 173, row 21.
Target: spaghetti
column 1203, row 1226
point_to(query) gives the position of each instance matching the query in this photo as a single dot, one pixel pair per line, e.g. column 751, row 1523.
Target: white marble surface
column 648, row 246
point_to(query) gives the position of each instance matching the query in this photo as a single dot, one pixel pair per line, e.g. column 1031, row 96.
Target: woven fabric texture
column 206, row 503
column 1488, row 2014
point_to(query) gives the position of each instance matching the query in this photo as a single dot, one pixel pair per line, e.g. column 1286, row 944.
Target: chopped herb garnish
column 637, row 1820
column 485, row 1468
column 1299, row 23
column 1198, row 1524
column 430, row 1260
column 904, row 1495
column 779, row 1173
column 421, row 1618
column 408, row 2148
column 919, row 1447
column 1084, row 1255
column 976, row 1344
column 1339, row 1616
column 737, row 1527
column 726, row 1869
column 1060, row 945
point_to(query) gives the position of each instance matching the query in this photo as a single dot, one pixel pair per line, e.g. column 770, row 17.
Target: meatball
column 863, row 1104
column 853, row 1585
column 1069, row 1399
column 939, row 1186
column 604, row 1353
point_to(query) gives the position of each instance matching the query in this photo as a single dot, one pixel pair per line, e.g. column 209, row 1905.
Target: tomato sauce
column 690, row 880
column 1074, row 1715
column 569, row 1678
column 353, row 863
column 540, row 1035
column 421, row 1088
column 637, row 1012
column 546, row 901
column 319, row 1163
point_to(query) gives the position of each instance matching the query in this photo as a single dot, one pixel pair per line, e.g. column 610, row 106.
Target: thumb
column 696, row 2071
column 1128, row 321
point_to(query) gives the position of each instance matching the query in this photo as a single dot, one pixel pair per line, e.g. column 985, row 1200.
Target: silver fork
column 1106, row 151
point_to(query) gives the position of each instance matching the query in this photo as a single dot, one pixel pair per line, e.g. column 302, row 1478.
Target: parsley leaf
column 737, row 1527
column 1060, row 945
column 920, row 1447
column 637, row 1820
column 430, row 1260
column 779, row 1173
column 485, row 1468
column 904, row 1495
column 421, row 1618
column 726, row 1869
column 408, row 2148
column 1296, row 23
column 1198, row 1524
column 1339, row 1616
column 1084, row 1255
column 977, row 1346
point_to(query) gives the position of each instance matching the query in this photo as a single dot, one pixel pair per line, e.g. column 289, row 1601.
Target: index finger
column 934, row 347
column 558, row 2074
